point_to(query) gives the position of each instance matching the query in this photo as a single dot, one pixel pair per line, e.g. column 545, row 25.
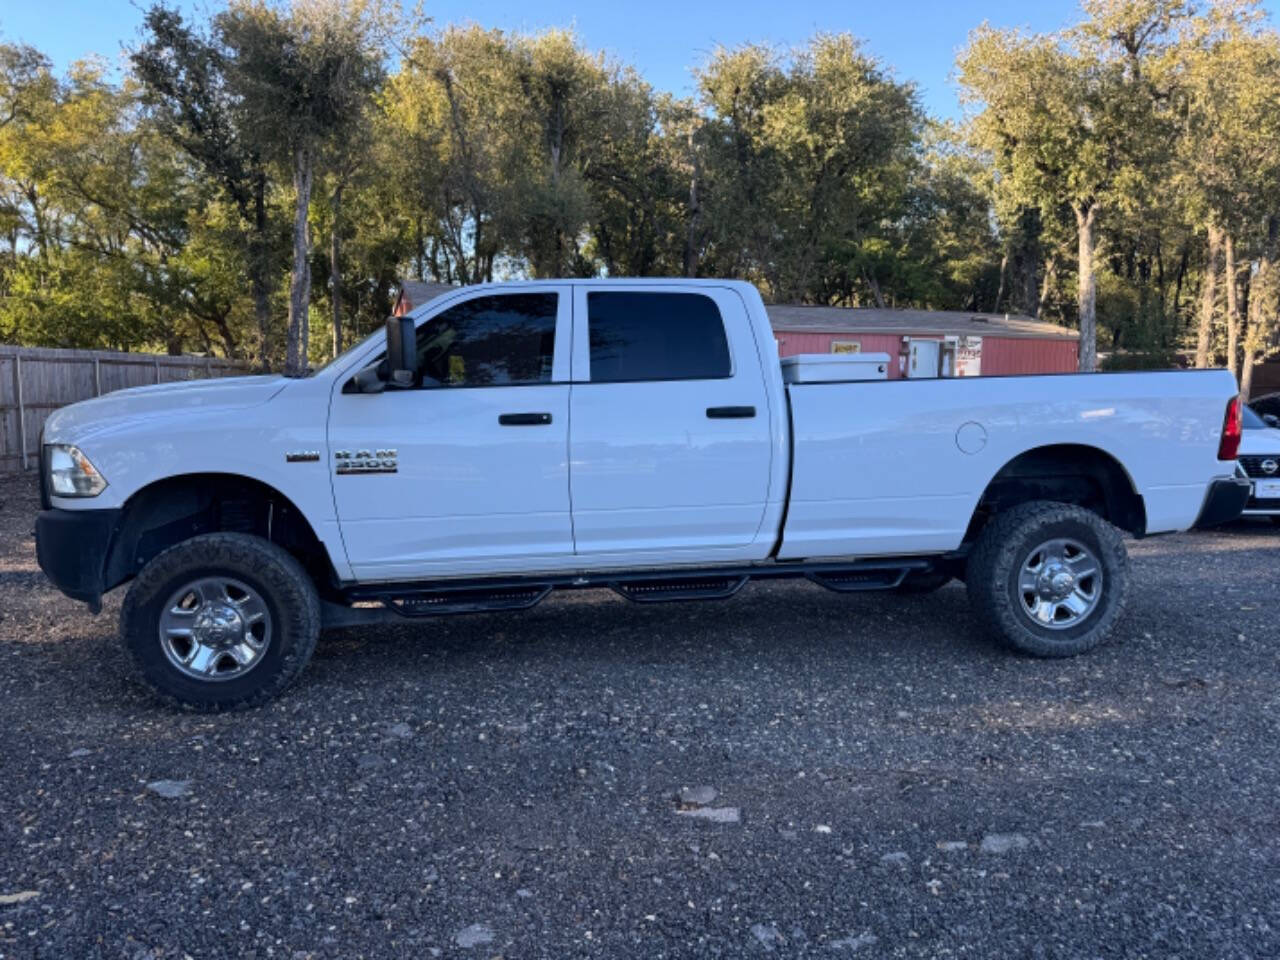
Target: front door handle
column 731, row 413
column 524, row 419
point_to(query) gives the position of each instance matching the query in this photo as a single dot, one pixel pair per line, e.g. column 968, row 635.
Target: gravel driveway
column 884, row 782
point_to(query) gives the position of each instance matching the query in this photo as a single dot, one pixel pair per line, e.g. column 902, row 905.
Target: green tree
column 808, row 169
column 1229, row 157
column 302, row 78
column 186, row 75
column 455, row 109
column 563, row 90
column 1075, row 121
column 741, row 171
column 98, row 205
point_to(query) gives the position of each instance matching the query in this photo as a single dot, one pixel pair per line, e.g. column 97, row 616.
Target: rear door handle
column 524, row 419
column 731, row 413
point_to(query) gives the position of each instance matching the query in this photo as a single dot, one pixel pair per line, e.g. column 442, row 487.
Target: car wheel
column 1049, row 579
column 222, row 621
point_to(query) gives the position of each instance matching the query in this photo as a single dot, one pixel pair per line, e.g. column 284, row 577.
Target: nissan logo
column 1269, row 466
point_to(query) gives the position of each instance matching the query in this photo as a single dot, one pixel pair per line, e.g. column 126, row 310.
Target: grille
column 1252, row 465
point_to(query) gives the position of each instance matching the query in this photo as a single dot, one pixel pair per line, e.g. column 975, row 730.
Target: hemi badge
column 302, row 456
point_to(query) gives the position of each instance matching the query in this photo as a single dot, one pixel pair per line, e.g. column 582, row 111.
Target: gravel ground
column 888, row 784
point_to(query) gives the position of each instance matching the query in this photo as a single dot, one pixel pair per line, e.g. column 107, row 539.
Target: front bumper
column 72, row 547
column 1224, row 502
column 1259, row 506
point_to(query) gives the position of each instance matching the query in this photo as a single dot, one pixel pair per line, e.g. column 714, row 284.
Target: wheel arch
column 176, row 508
column 1080, row 474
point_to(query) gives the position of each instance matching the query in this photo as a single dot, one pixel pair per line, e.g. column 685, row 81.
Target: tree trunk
column 1046, row 286
column 204, row 339
column 875, row 287
column 1261, row 298
column 1253, row 340
column 1029, row 262
column 228, row 338
column 1233, row 304
column 295, row 364
column 1208, row 297
column 419, row 253
column 1087, row 288
column 335, row 269
column 1161, row 286
column 1183, row 261
column 1004, row 270
column 695, row 216
column 260, row 269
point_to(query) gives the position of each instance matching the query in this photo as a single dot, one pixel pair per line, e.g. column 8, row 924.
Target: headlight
column 71, row 474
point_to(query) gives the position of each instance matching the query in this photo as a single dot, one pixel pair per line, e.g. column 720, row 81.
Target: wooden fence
column 35, row 381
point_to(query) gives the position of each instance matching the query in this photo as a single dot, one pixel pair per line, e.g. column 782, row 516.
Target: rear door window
column 656, row 336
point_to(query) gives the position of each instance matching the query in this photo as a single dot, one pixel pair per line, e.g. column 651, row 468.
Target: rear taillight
column 1229, row 445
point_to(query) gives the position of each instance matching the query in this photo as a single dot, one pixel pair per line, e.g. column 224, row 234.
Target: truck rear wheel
column 222, row 621
column 1050, row 579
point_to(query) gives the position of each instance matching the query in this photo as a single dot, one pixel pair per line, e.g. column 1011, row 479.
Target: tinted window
column 656, row 336
column 1250, row 420
column 489, row 342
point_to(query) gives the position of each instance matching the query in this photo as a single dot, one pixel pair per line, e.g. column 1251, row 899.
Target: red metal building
column 929, row 343
column 414, row 293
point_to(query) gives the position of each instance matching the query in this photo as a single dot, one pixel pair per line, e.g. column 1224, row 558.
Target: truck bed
column 897, row 466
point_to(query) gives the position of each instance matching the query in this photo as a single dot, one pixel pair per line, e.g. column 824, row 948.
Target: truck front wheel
column 222, row 621
column 1050, row 579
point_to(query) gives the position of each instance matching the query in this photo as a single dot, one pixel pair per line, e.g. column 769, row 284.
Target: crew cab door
column 467, row 472
column 670, row 428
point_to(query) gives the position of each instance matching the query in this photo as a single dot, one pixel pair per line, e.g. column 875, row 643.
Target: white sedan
column 1259, row 460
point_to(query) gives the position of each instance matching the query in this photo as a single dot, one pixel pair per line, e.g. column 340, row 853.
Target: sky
column 663, row 39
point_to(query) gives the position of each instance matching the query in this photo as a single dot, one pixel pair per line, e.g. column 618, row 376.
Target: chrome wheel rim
column 215, row 628
column 1059, row 584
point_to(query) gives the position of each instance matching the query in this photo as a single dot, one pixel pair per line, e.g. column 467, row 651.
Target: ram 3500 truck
column 507, row 440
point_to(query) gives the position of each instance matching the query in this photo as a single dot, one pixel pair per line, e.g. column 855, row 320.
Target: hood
column 1260, row 441
column 74, row 423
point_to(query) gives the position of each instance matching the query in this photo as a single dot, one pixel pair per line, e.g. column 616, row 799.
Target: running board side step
column 435, row 603
column 679, row 588
column 854, row 580
column 366, row 604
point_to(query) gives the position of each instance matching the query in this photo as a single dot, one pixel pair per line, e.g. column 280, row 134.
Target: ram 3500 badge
column 364, row 461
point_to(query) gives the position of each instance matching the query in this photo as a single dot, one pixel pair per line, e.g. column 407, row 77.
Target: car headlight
column 71, row 473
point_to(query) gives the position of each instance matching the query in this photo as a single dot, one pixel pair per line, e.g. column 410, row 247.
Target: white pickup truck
column 504, row 441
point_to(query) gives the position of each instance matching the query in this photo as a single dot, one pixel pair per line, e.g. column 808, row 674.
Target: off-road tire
column 993, row 568
column 277, row 576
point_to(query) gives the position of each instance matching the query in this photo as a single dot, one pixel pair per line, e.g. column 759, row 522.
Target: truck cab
column 647, row 406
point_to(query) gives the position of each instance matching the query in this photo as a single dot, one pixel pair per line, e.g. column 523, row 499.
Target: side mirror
column 398, row 368
column 402, row 351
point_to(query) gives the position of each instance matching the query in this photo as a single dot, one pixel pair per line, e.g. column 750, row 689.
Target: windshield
column 1250, row 420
